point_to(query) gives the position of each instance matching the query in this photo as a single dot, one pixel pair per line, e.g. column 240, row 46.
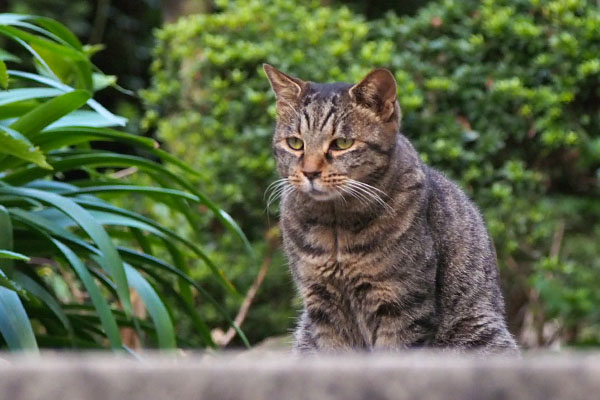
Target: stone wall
column 279, row 376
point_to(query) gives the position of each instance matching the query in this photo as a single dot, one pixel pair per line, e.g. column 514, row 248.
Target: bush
column 75, row 268
column 501, row 95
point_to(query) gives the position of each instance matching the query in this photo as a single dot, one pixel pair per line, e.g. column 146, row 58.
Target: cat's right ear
column 287, row 88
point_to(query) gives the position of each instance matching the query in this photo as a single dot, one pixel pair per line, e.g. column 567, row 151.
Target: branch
column 272, row 241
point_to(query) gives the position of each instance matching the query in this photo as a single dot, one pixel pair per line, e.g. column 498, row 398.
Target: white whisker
column 366, row 185
column 369, row 193
column 277, row 190
column 274, row 185
column 357, row 195
column 339, row 191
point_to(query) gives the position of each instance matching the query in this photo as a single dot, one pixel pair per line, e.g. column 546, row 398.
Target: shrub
column 71, row 261
column 501, row 95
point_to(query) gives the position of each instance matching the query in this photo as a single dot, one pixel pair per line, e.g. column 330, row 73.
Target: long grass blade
column 14, row 322
column 111, row 259
column 13, row 256
column 50, row 111
column 15, row 326
column 156, row 308
column 141, row 259
column 100, row 304
column 42, row 294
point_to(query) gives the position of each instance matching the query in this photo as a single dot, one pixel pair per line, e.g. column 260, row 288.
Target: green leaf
column 39, row 61
column 111, row 260
column 140, row 259
column 93, row 104
column 10, row 285
column 37, row 224
column 15, row 110
column 41, row 293
column 189, row 306
column 115, row 216
column 11, row 18
column 15, row 144
column 14, row 322
column 102, row 81
column 100, row 304
column 98, row 159
column 3, row 75
column 13, row 256
column 6, row 56
column 60, row 31
column 40, row 222
column 86, row 118
column 68, row 71
column 50, row 139
column 157, row 310
column 90, row 160
column 6, row 239
column 65, row 51
column 48, row 112
column 15, row 95
column 130, row 189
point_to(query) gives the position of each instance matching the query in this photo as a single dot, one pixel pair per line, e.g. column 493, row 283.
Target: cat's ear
column 377, row 91
column 287, row 88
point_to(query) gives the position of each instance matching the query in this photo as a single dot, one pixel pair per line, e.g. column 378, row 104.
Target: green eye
column 342, row 144
column 295, row 143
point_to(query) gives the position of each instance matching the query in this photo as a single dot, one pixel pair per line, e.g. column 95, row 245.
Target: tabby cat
column 387, row 253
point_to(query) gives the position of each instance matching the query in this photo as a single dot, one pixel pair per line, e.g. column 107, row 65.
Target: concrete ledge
column 256, row 376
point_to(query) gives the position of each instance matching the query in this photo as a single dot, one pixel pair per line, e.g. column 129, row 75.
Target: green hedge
column 500, row 95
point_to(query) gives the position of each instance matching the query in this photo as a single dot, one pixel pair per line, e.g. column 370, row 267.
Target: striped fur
column 386, row 252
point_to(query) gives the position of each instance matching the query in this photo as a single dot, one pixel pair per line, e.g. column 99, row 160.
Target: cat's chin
column 321, row 196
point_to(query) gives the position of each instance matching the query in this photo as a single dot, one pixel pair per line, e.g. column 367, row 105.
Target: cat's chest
column 319, row 251
column 313, row 239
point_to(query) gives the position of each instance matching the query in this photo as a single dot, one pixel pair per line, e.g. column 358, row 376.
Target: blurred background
column 501, row 95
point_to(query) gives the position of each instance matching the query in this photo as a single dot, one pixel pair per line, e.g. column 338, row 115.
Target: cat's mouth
column 316, row 190
column 318, row 194
column 321, row 196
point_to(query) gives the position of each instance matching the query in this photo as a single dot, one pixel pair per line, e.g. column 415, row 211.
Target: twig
column 124, row 172
column 557, row 239
column 272, row 240
column 100, row 21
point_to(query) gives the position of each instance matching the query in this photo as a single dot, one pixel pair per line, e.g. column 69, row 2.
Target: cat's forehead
column 319, row 94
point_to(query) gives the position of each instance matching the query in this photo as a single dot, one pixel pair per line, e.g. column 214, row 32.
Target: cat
column 386, row 252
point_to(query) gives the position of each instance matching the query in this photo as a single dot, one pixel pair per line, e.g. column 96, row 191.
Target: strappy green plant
column 69, row 256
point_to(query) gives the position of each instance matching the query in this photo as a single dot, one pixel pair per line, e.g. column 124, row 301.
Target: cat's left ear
column 287, row 88
column 377, row 91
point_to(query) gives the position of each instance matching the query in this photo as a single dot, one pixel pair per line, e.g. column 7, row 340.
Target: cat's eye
column 342, row 144
column 295, row 143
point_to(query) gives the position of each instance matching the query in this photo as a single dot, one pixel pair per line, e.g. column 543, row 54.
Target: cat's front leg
column 395, row 327
column 316, row 336
column 304, row 342
column 328, row 328
column 325, row 325
column 479, row 332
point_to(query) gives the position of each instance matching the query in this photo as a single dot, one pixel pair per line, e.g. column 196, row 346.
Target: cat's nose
column 311, row 174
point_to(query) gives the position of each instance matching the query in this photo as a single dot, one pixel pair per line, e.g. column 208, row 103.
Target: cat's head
column 331, row 139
